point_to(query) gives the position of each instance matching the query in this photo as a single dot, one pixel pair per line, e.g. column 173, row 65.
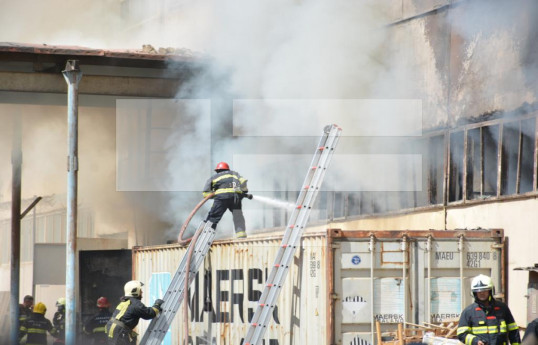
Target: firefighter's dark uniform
column 531, row 333
column 494, row 325
column 94, row 328
column 229, row 188
column 24, row 314
column 35, row 327
column 58, row 321
column 125, row 318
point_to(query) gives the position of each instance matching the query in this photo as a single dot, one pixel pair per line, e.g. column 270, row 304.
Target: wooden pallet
column 413, row 333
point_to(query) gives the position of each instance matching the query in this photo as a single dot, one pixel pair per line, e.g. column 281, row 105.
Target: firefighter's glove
column 248, row 196
column 157, row 304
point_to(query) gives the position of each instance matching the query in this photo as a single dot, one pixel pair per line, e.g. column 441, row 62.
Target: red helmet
column 222, row 166
column 102, row 302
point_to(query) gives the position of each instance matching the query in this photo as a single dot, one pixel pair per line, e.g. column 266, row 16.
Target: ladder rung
column 311, row 186
column 174, row 295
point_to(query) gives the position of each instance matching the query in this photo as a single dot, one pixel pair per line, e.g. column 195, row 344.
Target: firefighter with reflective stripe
column 120, row 327
column 25, row 310
column 58, row 321
column 229, row 188
column 487, row 321
column 94, row 328
column 36, row 326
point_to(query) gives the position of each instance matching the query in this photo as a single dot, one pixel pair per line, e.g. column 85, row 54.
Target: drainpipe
column 404, row 277
column 461, row 249
column 72, row 75
column 371, row 249
column 16, row 161
column 429, row 288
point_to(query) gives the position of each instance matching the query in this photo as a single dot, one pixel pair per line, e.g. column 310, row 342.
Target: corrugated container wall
column 340, row 282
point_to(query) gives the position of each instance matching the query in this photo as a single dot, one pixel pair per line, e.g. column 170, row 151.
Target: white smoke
column 288, row 49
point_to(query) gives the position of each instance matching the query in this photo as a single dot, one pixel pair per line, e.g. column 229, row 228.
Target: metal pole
column 33, row 249
column 30, row 207
column 16, row 161
column 23, row 214
column 72, row 75
column 371, row 249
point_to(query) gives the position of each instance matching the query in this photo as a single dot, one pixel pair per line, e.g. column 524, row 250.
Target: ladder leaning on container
column 294, row 230
column 173, row 297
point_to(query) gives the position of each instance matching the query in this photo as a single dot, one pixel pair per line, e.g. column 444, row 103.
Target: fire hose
column 184, row 242
column 180, row 239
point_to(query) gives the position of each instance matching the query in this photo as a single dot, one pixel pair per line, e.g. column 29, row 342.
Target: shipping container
column 339, row 284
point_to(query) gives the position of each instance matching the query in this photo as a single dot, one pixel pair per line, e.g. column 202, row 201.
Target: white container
column 339, row 283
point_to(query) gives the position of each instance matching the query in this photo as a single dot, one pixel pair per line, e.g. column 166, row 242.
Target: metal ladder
column 173, row 297
column 292, row 235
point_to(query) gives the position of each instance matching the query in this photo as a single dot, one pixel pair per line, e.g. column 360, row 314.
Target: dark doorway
column 102, row 273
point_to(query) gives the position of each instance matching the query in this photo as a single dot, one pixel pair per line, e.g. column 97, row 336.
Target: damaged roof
column 147, row 57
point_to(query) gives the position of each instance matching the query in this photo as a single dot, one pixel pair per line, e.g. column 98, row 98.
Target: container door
column 372, row 285
column 406, row 279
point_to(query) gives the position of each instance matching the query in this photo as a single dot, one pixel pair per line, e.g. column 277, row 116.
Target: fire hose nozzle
column 249, row 196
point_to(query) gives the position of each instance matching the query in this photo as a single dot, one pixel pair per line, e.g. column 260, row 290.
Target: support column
column 72, row 75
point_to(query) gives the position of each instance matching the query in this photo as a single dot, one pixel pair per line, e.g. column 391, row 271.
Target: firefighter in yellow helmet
column 36, row 326
column 120, row 327
column 229, row 188
column 487, row 321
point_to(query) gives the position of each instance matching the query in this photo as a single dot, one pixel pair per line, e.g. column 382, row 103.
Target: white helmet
column 481, row 283
column 133, row 288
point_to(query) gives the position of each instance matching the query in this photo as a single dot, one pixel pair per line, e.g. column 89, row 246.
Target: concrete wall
column 464, row 61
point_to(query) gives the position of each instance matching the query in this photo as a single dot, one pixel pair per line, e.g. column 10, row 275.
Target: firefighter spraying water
column 228, row 188
column 231, row 184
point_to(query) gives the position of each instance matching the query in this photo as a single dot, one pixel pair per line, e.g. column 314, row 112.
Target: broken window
column 353, row 203
column 482, row 162
column 434, row 164
column 455, row 191
column 339, row 204
column 430, row 191
column 366, row 203
column 517, row 156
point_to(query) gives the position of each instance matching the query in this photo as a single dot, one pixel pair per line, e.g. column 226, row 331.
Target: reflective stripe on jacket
column 494, row 325
column 226, row 184
column 95, row 326
column 129, row 312
column 35, row 328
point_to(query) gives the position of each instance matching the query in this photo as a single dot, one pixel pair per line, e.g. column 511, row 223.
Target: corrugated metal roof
column 146, row 53
column 146, row 57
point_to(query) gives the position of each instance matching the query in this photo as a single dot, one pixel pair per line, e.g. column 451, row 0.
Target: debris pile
column 149, row 49
column 432, row 334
